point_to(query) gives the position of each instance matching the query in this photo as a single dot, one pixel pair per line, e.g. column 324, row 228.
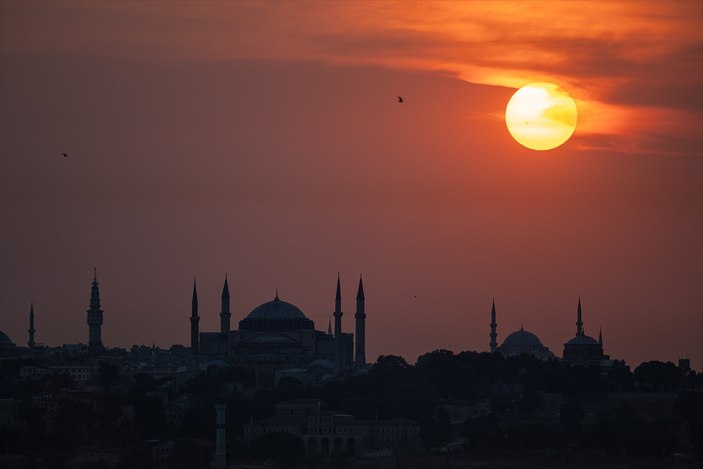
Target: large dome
column 522, row 338
column 583, row 340
column 4, row 339
column 276, row 315
column 523, row 341
column 276, row 309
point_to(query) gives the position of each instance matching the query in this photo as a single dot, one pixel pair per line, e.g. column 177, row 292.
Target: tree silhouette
column 656, row 375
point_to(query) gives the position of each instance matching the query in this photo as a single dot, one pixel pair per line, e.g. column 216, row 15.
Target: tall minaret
column 579, row 323
column 225, row 315
column 360, row 356
column 600, row 336
column 31, row 331
column 95, row 315
column 194, row 321
column 338, row 345
column 494, row 334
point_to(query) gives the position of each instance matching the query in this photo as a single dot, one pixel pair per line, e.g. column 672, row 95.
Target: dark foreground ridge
column 151, row 408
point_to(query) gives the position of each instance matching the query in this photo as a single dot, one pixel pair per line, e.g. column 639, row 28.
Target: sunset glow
column 265, row 139
column 541, row 116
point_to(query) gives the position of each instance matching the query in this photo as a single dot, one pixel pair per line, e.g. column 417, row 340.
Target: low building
column 328, row 433
column 79, row 372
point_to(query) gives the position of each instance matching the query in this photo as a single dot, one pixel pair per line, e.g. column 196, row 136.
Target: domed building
column 518, row 342
column 582, row 349
column 277, row 336
column 5, row 343
column 523, row 341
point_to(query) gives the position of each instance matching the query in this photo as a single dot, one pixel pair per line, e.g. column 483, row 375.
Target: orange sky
column 262, row 139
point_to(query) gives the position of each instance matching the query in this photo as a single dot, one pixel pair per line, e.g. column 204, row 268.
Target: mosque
column 276, row 340
column 581, row 350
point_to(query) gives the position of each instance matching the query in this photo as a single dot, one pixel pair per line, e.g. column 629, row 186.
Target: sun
column 541, row 116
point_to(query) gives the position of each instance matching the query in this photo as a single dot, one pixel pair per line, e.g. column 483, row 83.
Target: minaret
column 360, row 356
column 579, row 323
column 194, row 321
column 31, row 331
column 225, row 315
column 338, row 345
column 95, row 315
column 494, row 334
column 600, row 336
column 329, row 326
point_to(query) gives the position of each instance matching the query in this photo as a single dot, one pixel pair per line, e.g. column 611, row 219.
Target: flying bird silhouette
column 400, row 99
column 65, row 155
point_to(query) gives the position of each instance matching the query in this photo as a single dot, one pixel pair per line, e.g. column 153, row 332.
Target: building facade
column 327, row 433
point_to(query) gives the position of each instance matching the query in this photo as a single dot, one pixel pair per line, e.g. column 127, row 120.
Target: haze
column 264, row 140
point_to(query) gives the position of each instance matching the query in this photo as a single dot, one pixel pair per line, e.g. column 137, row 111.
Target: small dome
column 217, row 363
column 583, row 340
column 276, row 309
column 4, row 339
column 521, row 338
column 322, row 363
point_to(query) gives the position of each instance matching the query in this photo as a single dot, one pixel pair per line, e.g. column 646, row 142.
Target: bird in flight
column 65, row 155
column 400, row 99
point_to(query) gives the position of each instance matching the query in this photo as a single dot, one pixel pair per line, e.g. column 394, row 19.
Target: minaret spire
column 494, row 326
column 338, row 345
column 195, row 296
column 579, row 323
column 31, row 330
column 95, row 315
column 225, row 314
column 194, row 321
column 360, row 316
column 600, row 336
column 338, row 296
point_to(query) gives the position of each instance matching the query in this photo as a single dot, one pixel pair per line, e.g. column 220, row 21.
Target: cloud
column 613, row 58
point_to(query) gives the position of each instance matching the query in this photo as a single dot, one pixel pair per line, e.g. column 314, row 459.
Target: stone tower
column 220, row 458
column 225, row 314
column 338, row 344
column 95, row 316
column 360, row 355
column 194, row 322
column 31, row 330
column 494, row 326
